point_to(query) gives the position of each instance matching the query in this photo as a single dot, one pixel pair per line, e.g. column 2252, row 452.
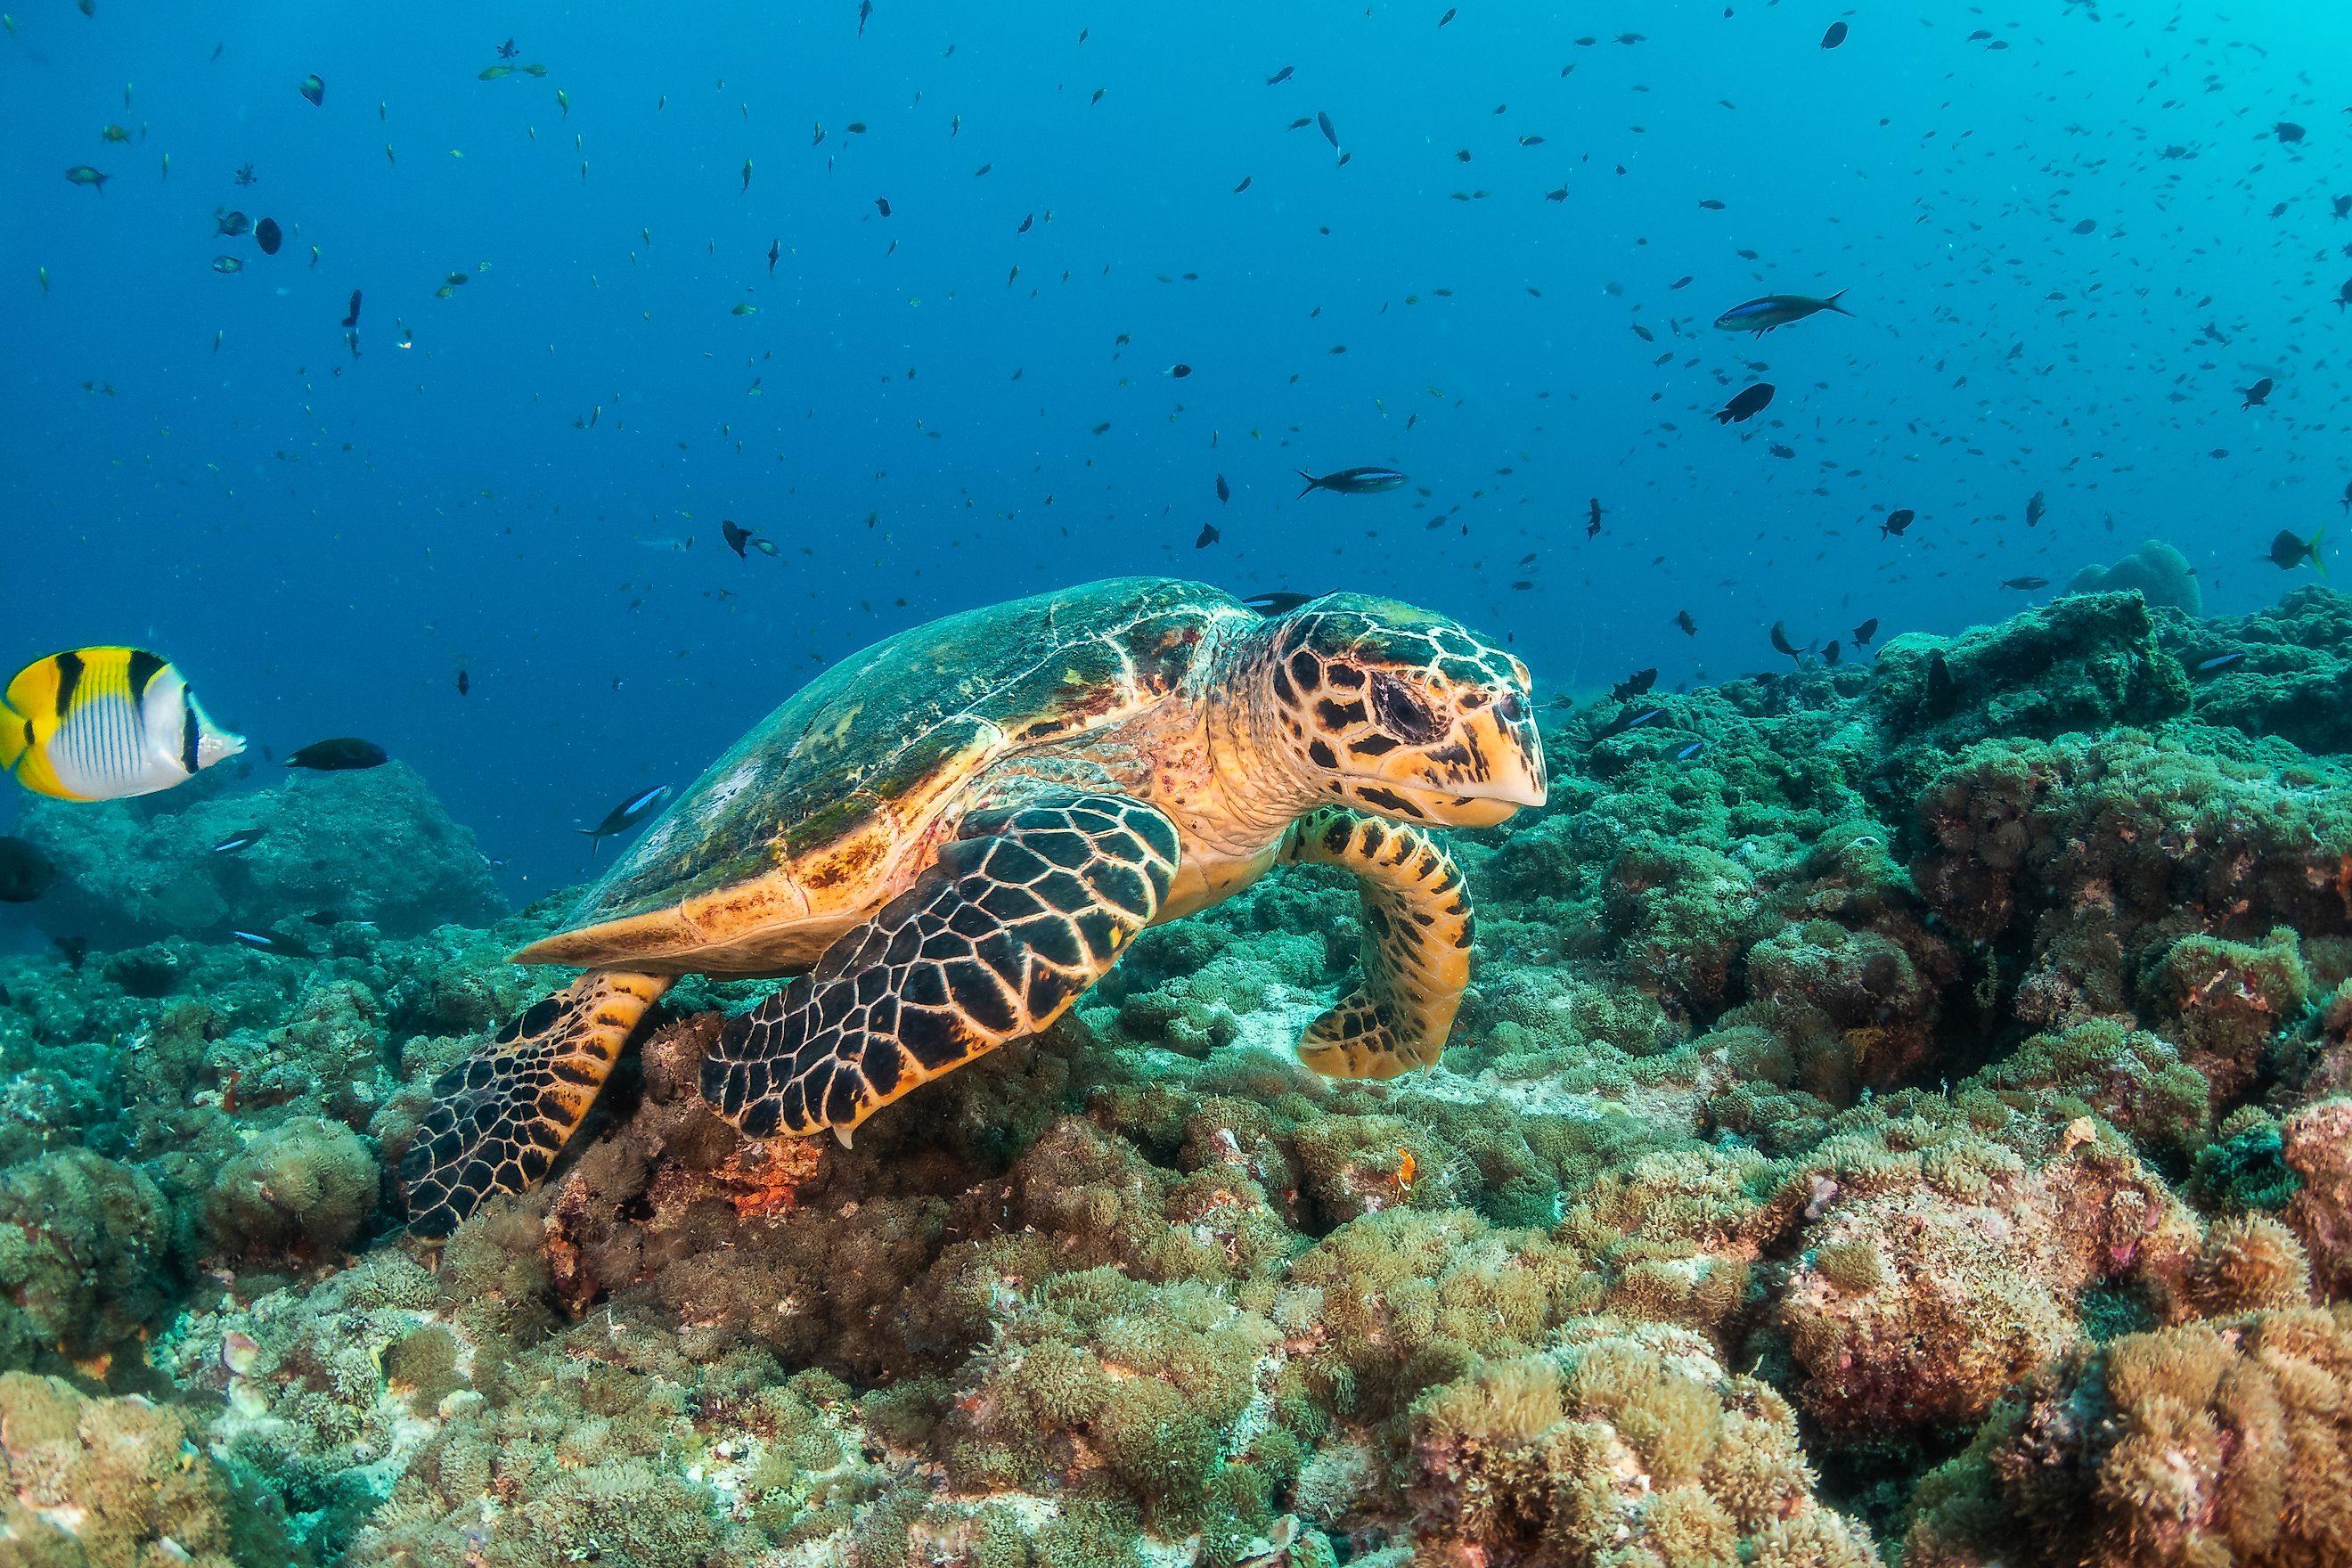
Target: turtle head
column 1405, row 713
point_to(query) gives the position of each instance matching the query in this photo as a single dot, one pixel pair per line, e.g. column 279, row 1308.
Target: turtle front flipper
column 500, row 1117
column 1416, row 944
column 1026, row 907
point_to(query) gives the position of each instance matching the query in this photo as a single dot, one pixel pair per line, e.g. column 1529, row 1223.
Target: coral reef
column 1918, row 1123
column 368, row 845
column 2156, row 571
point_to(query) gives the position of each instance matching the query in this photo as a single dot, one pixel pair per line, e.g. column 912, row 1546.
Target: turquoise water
column 323, row 542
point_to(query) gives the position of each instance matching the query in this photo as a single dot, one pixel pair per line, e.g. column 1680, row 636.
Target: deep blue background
column 323, row 542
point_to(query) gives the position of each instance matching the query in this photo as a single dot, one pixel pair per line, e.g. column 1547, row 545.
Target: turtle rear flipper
column 500, row 1117
column 1416, row 944
column 1023, row 912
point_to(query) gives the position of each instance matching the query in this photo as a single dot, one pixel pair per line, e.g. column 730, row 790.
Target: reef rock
column 372, row 844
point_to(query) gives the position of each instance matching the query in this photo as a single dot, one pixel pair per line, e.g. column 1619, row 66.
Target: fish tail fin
column 2316, row 563
column 1312, row 482
column 16, row 736
column 1831, row 303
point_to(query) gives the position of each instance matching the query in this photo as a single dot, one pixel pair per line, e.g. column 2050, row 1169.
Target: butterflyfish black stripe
column 187, row 729
column 69, row 667
column 144, row 669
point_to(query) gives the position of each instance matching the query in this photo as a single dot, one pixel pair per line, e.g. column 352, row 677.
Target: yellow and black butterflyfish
column 103, row 723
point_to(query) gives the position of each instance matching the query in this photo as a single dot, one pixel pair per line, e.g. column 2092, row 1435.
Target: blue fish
column 1356, row 481
column 625, row 815
column 1687, row 753
column 1760, row 316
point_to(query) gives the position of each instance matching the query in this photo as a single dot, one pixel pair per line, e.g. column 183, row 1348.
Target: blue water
column 323, row 542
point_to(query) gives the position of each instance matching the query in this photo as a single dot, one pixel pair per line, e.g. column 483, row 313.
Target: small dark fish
column 2088, row 226
column 1329, row 134
column 1633, row 685
column 1896, row 522
column 626, row 816
column 1687, row 753
column 2026, row 585
column 1781, row 643
column 1593, row 514
column 2256, row 395
column 2218, row 663
column 1224, row 491
column 1943, row 691
column 1301, row 124
column 865, row 10
column 1278, row 78
column 1207, row 536
column 231, row 224
column 772, row 252
column 1832, row 653
column 1762, row 315
column 243, row 839
column 2287, row 552
column 1179, row 371
column 1864, row 632
column 882, row 205
column 1362, row 481
column 352, row 316
column 465, row 682
column 1746, row 404
column 2343, row 206
column 311, row 87
column 2288, row 131
column 737, row 536
column 25, row 872
column 268, row 235
column 227, row 264
column 1682, row 619
column 2036, row 509
column 342, row 754
column 2346, row 502
column 73, row 950
column 1834, row 36
column 271, row 943
column 1278, row 603
column 83, row 175
column 507, row 50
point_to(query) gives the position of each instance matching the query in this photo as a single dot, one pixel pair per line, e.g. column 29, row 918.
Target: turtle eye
column 1510, row 709
column 1400, row 711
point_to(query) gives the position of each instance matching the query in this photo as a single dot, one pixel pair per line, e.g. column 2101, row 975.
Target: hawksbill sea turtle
column 950, row 835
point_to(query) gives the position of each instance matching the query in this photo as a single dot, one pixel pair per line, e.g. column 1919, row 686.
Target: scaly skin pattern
column 956, row 833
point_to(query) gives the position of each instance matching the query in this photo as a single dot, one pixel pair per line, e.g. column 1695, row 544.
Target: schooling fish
column 1781, row 643
column 104, row 723
column 1746, row 404
column 2286, row 554
column 227, row 264
column 1278, row 603
column 1278, row 78
column 268, row 235
column 2027, row 585
column 2256, row 395
column 1864, row 632
column 1365, row 481
column 341, row 754
column 1834, row 36
column 311, row 87
column 1593, row 512
column 626, row 816
column 25, row 872
column 1896, row 522
column 1762, row 315
column 2215, row 665
column 1330, row 133
column 238, row 842
column 2036, row 509
column 1633, row 685
column 231, row 224
column 83, row 175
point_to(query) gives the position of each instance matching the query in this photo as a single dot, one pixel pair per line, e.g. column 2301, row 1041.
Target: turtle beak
column 1503, row 735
